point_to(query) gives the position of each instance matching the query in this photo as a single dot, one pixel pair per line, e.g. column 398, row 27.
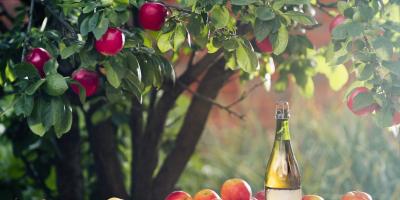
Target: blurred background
column 337, row 151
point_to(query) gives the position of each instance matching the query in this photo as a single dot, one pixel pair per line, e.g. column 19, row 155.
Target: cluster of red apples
column 238, row 189
column 151, row 15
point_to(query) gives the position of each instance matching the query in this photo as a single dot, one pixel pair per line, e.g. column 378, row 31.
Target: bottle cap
column 282, row 110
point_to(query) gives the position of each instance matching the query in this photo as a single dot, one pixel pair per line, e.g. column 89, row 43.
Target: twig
column 245, row 94
column 32, row 6
column 215, row 103
column 59, row 18
column 178, row 8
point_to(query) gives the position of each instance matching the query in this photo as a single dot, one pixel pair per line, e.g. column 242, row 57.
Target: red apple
column 362, row 111
column 111, row 42
column 260, row 195
column 206, row 194
column 356, row 195
column 265, row 46
column 312, row 197
column 335, row 22
column 235, row 189
column 88, row 79
column 396, row 118
column 152, row 15
column 38, row 57
column 178, row 195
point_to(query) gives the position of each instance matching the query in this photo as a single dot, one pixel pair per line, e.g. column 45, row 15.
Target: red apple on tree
column 38, row 57
column 178, row 195
column 336, row 22
column 235, row 189
column 206, row 194
column 265, row 46
column 396, row 118
column 152, row 15
column 312, row 197
column 356, row 195
column 260, row 195
column 364, row 110
column 89, row 80
column 111, row 43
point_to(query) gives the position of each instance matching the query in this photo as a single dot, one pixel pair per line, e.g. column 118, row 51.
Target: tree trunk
column 145, row 155
column 68, row 166
column 190, row 132
column 103, row 144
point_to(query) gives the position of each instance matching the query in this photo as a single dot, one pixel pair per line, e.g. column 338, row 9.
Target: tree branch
column 191, row 130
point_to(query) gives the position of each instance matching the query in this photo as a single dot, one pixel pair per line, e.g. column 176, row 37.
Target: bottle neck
column 282, row 130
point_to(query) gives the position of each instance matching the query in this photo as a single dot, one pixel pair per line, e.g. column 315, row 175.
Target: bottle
column 282, row 177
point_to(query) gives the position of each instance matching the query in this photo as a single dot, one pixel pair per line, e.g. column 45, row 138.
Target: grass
column 337, row 152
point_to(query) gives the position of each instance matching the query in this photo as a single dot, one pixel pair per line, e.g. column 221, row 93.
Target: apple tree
column 97, row 78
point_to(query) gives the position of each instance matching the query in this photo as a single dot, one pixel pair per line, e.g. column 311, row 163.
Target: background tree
column 117, row 58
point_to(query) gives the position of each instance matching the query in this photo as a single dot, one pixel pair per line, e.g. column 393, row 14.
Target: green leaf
column 89, row 7
column 63, row 121
column 112, row 76
column 278, row 4
column 300, row 17
column 219, row 16
column 280, row 42
column 243, row 2
column 179, row 36
column 133, row 65
column 49, row 111
column 297, row 2
column 24, row 105
column 34, row 87
column 51, row 67
column 230, row 44
column 68, row 51
column 392, row 66
column 56, row 85
column 354, row 29
column 245, row 57
column 264, row 13
column 84, row 27
column 383, row 47
column 383, row 117
column 340, row 32
column 164, row 42
column 262, row 29
column 35, row 121
column 101, row 27
column 167, row 69
column 23, row 70
column 93, row 21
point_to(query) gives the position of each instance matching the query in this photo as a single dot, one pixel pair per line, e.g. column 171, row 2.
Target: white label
column 273, row 194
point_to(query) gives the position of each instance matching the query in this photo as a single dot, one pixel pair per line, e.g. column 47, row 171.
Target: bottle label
column 283, row 194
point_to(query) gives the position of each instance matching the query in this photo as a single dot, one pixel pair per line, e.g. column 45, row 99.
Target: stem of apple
column 32, row 6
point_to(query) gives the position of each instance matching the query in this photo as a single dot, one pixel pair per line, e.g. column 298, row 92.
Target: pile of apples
column 239, row 189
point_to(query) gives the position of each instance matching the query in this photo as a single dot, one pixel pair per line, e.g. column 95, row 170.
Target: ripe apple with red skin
column 206, row 194
column 88, row 79
column 152, row 15
column 336, row 22
column 178, row 195
column 235, row 189
column 260, row 195
column 111, row 43
column 396, row 118
column 312, row 197
column 265, row 46
column 38, row 57
column 362, row 111
column 356, row 195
